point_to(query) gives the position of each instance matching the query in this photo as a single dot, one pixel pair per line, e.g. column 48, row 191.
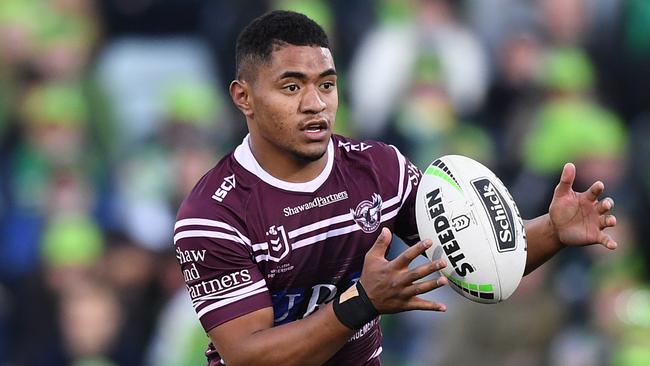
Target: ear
column 241, row 97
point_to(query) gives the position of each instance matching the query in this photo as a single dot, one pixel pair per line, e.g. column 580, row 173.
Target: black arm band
column 353, row 308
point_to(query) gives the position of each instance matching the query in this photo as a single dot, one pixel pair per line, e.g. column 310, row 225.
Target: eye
column 328, row 85
column 292, row 88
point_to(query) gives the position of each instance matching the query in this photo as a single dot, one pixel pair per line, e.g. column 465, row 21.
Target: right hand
column 391, row 285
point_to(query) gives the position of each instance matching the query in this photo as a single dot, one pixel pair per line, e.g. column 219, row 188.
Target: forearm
column 309, row 341
column 542, row 240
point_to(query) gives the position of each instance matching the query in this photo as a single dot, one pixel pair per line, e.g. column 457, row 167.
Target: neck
column 285, row 166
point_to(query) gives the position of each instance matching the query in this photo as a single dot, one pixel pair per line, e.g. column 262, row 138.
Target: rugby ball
column 475, row 226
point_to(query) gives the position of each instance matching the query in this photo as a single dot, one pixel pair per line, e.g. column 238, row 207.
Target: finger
column 380, row 246
column 605, row 221
column 411, row 253
column 423, row 287
column 423, row 271
column 595, row 190
column 566, row 179
column 607, row 241
column 605, row 205
column 417, row 303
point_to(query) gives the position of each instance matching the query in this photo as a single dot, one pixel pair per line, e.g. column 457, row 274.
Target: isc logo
column 227, row 184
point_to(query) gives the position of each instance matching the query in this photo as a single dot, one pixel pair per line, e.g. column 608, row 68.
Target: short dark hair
column 256, row 42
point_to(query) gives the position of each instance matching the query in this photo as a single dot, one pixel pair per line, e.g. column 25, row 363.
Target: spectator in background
column 90, row 318
column 568, row 110
column 513, row 96
column 130, row 271
column 57, row 46
column 427, row 121
column 135, row 73
column 17, row 43
column 620, row 309
column 387, row 58
column 155, row 174
column 639, row 180
column 72, row 246
column 54, row 143
column 63, row 45
column 628, row 64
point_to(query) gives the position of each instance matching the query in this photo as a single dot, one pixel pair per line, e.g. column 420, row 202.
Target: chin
column 310, row 156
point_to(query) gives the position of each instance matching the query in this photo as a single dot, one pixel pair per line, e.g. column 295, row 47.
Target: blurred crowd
column 111, row 110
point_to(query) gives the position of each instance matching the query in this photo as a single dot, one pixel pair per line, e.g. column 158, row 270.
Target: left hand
column 579, row 218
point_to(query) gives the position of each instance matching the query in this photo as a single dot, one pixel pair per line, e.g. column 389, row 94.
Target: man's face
column 293, row 103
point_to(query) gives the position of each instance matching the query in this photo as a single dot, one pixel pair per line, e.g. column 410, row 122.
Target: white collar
column 244, row 156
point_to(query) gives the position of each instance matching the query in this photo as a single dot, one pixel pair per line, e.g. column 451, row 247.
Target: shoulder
column 376, row 158
column 373, row 155
column 213, row 218
column 368, row 151
column 222, row 193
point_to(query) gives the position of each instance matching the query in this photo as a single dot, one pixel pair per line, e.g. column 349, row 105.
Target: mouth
column 315, row 129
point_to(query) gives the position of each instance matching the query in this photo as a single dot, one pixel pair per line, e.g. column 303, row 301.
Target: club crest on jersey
column 368, row 214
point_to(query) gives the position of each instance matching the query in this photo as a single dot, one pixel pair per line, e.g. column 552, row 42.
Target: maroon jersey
column 246, row 240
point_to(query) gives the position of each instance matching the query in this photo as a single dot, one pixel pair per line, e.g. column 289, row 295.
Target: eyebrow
column 302, row 76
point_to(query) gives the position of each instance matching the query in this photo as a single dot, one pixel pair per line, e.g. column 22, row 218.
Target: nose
column 312, row 101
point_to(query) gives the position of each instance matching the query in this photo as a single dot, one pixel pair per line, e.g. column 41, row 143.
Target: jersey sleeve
column 218, row 268
column 409, row 178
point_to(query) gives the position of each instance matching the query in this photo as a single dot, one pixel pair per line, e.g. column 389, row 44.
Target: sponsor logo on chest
column 316, row 202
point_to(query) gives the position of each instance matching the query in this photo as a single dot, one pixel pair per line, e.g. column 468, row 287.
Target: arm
column 543, row 243
column 252, row 340
column 574, row 219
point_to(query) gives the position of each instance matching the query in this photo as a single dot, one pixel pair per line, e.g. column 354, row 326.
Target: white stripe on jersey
column 325, row 235
column 400, row 188
column 376, row 353
column 389, row 215
column 225, row 302
column 408, row 191
column 207, row 234
column 262, row 257
column 212, row 223
column 260, row 246
column 319, row 225
column 217, row 295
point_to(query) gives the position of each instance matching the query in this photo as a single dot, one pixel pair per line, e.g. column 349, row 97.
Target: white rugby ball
column 475, row 226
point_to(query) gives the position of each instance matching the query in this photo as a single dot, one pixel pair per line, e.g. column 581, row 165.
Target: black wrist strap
column 353, row 307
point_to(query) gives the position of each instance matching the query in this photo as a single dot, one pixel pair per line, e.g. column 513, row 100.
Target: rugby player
column 283, row 243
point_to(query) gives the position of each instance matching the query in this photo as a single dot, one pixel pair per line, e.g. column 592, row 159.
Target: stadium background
column 110, row 111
